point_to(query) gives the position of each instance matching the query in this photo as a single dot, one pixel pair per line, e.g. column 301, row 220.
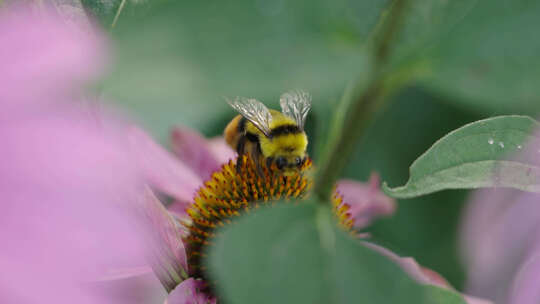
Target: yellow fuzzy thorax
column 236, row 190
column 290, row 145
column 287, row 145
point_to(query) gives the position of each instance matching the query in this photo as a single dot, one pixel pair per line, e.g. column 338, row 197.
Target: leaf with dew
column 472, row 157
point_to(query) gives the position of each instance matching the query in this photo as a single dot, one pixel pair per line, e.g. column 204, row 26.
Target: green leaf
column 491, row 58
column 471, row 157
column 177, row 60
column 482, row 53
column 295, row 254
column 438, row 295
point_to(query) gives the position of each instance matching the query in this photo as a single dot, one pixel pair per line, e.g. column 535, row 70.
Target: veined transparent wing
column 296, row 105
column 254, row 111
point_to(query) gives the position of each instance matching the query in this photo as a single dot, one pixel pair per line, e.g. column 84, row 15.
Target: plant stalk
column 368, row 99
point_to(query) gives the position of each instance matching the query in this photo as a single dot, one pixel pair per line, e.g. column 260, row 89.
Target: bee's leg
column 258, row 158
column 240, row 150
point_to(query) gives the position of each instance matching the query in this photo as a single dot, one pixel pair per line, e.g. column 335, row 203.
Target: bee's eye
column 297, row 161
column 281, row 162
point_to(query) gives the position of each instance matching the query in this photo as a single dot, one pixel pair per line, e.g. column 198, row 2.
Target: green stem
column 368, row 98
column 118, row 12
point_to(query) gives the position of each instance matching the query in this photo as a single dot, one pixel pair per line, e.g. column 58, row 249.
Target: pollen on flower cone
column 237, row 189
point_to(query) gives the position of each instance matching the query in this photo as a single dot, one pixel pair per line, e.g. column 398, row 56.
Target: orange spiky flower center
column 238, row 188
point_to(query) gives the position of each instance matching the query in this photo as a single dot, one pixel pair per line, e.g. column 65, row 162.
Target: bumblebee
column 276, row 137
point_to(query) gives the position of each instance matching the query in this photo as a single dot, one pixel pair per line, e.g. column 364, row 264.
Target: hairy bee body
column 268, row 134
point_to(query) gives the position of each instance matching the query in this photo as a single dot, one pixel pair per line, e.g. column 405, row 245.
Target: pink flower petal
column 221, row 150
column 133, row 285
column 42, row 56
column 193, row 150
column 166, row 238
column 66, row 190
column 366, row 201
column 162, row 169
column 420, row 274
column 526, row 286
column 499, row 229
column 189, row 292
column 179, row 210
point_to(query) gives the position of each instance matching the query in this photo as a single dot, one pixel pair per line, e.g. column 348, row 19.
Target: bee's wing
column 296, row 105
column 254, row 111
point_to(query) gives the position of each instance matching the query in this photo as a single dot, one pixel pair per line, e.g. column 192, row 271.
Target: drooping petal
column 189, row 292
column 420, row 274
column 168, row 255
column 162, row 169
column 366, row 200
column 193, row 150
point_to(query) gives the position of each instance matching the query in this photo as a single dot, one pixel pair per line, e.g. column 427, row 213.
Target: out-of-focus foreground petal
column 67, row 184
column 500, row 232
column 189, row 292
column 367, row 202
column 162, row 169
column 421, row 274
column 42, row 56
column 65, row 189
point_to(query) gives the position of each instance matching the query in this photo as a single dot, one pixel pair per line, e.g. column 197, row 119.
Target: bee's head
column 289, row 164
column 287, row 151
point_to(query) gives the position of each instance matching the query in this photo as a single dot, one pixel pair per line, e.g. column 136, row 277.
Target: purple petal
column 179, row 210
column 42, row 56
column 66, row 189
column 194, row 151
column 420, row 274
column 366, row 201
column 162, row 169
column 526, row 286
column 118, row 284
column 221, row 150
column 189, row 292
column 166, row 239
column 499, row 228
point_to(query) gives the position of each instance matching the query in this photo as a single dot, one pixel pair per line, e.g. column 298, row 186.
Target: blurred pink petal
column 221, row 150
column 164, row 172
column 499, row 228
column 133, row 285
column 67, row 181
column 189, row 292
column 526, row 286
column 41, row 56
column 193, row 150
column 366, row 200
column 178, row 209
column 420, row 274
column 65, row 187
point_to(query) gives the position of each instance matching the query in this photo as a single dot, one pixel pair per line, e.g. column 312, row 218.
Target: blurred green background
column 452, row 62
